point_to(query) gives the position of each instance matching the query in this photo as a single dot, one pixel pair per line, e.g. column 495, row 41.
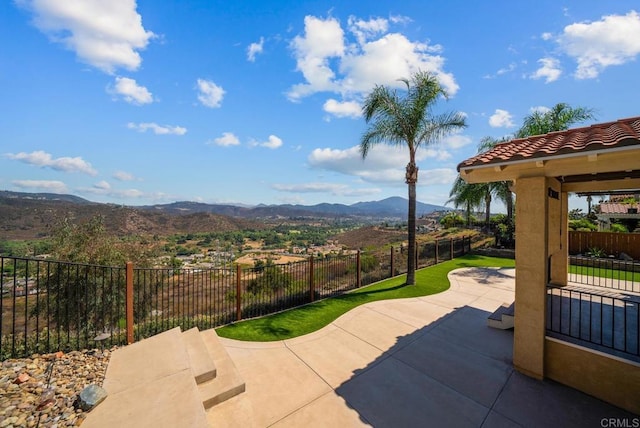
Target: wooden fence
column 610, row 243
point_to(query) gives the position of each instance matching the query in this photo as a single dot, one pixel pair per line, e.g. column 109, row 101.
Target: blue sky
column 259, row 101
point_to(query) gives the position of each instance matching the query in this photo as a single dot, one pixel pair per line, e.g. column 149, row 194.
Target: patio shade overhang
column 604, row 156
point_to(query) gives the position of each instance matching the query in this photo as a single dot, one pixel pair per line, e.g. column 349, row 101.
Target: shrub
column 451, row 219
column 619, row 228
column 596, row 252
column 582, row 224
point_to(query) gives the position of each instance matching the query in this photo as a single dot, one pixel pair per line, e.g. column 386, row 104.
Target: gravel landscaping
column 42, row 391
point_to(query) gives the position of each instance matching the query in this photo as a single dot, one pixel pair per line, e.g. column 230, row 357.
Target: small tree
column 87, row 293
column 269, row 278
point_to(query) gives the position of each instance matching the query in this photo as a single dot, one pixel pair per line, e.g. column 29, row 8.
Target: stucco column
column 532, row 250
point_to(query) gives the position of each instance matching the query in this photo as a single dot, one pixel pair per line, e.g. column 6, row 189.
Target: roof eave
column 509, row 170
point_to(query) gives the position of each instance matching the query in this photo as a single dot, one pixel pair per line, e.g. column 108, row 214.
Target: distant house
column 617, row 208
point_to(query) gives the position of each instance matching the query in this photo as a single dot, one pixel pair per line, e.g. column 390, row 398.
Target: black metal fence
column 605, row 272
column 606, row 320
column 50, row 305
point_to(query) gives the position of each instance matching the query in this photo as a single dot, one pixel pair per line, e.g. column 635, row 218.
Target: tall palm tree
column 407, row 119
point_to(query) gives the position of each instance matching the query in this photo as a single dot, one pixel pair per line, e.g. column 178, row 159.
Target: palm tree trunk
column 487, row 214
column 510, row 207
column 411, row 179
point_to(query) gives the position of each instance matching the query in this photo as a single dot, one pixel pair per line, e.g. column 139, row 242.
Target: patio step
column 150, row 383
column 228, row 383
column 503, row 317
column 202, row 365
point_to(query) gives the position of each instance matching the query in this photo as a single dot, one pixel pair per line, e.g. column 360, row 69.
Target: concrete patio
column 429, row 361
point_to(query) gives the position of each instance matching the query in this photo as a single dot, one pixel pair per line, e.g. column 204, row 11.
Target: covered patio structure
column 544, row 169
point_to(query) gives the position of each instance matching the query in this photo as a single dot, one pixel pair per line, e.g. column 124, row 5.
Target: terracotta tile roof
column 615, row 208
column 621, row 133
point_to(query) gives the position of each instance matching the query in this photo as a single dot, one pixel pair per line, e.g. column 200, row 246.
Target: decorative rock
column 91, row 396
column 626, row 257
column 22, row 378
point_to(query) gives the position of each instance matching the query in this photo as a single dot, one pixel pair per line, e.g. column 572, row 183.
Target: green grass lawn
column 306, row 319
column 605, row 273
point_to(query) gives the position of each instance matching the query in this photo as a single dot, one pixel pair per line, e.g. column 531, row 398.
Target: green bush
column 582, row 224
column 596, row 252
column 619, row 228
column 451, row 219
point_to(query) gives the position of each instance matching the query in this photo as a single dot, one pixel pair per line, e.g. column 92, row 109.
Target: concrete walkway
column 429, row 361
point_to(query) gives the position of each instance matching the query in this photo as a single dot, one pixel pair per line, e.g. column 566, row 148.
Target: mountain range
column 394, row 207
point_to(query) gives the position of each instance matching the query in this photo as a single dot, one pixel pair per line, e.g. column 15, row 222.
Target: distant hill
column 4, row 194
column 32, row 215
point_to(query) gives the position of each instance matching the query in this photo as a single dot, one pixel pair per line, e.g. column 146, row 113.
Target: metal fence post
column 129, row 303
column 437, row 246
column 312, row 291
column 451, row 248
column 238, row 293
column 358, row 277
column 391, row 263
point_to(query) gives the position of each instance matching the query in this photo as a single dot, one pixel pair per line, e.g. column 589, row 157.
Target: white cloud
column 438, row 154
column 383, row 164
column 385, row 60
column 350, row 109
column 456, row 141
column 157, row 129
column 131, row 92
column 123, row 176
column 399, row 19
column 227, row 139
column 546, row 36
column 504, row 70
column 272, row 143
column 507, row 69
column 323, row 39
column 613, row 40
column 332, row 62
column 103, row 188
column 438, row 176
column 210, row 94
column 255, row 49
column 102, row 185
column 45, row 160
column 365, row 30
column 549, row 70
column 501, row 119
column 52, row 186
column 105, row 34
